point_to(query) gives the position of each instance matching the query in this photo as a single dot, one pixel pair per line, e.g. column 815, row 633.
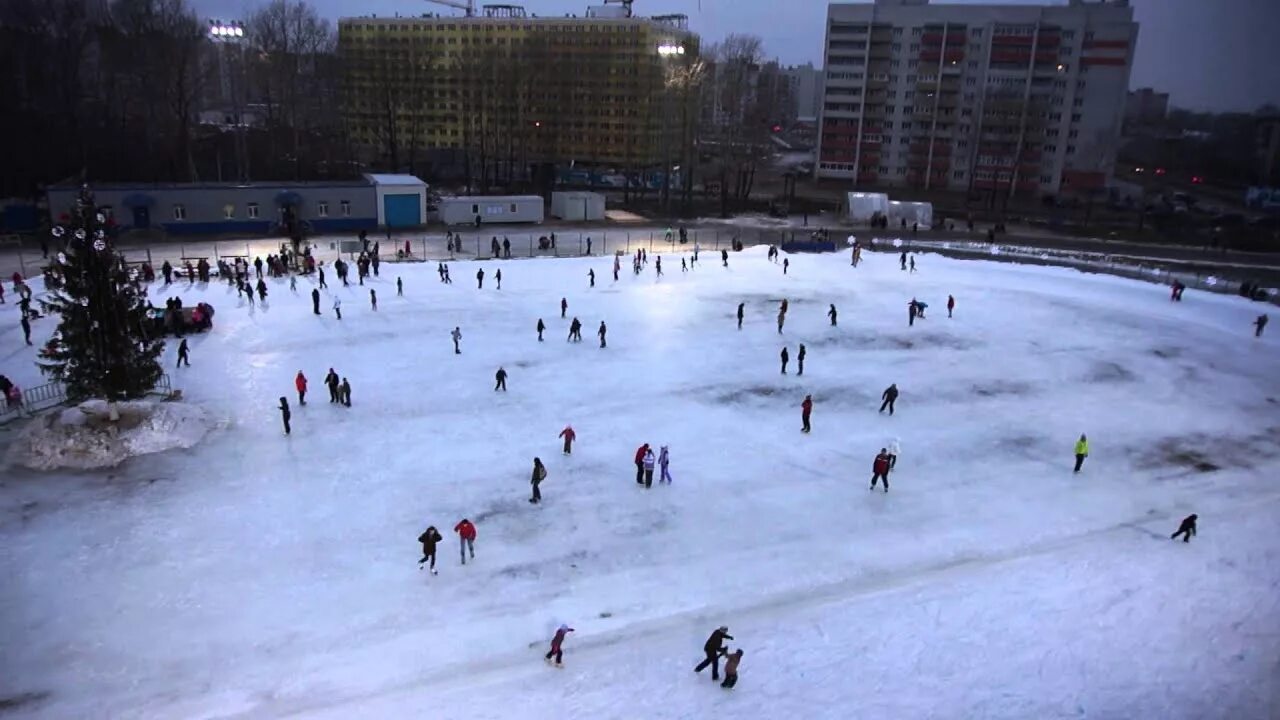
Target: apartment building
column 505, row 86
column 1013, row 99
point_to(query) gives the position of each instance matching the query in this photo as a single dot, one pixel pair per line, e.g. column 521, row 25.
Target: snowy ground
column 261, row 576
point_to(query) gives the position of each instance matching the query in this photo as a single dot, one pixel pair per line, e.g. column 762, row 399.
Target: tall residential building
column 509, row 88
column 1012, row 99
column 1145, row 107
column 806, row 83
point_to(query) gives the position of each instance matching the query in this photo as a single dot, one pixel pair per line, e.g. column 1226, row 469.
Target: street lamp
column 227, row 34
column 670, row 50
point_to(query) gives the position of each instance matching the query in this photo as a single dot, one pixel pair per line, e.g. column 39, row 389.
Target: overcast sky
column 1208, row 54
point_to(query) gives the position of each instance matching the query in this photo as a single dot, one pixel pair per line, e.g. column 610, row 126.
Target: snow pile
column 96, row 434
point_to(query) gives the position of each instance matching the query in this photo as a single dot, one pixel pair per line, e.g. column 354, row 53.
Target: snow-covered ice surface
column 256, row 575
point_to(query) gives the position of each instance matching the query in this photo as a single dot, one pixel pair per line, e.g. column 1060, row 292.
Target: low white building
column 576, row 205
column 402, row 200
column 860, row 206
column 491, row 209
column 919, row 214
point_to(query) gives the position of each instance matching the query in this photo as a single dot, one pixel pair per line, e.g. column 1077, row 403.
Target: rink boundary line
column 485, row 670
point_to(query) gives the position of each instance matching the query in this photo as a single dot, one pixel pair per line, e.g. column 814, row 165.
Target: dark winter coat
column 429, row 538
column 539, row 474
column 731, row 662
column 715, row 643
column 806, row 407
column 891, row 393
column 881, row 464
column 1188, row 524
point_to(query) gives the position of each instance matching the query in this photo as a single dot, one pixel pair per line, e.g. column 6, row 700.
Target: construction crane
column 468, row 5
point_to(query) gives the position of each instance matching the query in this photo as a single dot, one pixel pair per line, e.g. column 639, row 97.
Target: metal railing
column 50, row 395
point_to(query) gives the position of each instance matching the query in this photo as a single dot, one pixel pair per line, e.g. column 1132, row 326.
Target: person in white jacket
column 337, row 307
column 894, row 448
column 664, row 460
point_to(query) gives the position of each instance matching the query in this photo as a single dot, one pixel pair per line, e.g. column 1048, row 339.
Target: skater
column 399, row 287
column 889, row 396
column 498, row 278
column 1186, row 529
column 912, row 311
column 575, row 330
column 373, row 299
column 649, row 461
column 913, row 263
column 539, row 474
column 285, row 415
column 664, row 462
column 569, row 436
column 894, row 449
column 724, row 257
column 786, row 263
column 640, row 453
column 262, row 290
column 713, row 648
column 337, row 307
column 331, row 381
column 323, row 284
column 344, row 393
column 429, row 538
column 480, row 279
column 588, row 245
column 880, row 469
column 466, row 538
column 183, row 353
column 300, row 384
column 506, row 249
column 800, row 361
column 806, row 408
column 591, row 275
column 832, row 314
column 903, row 259
column 25, row 322
column 293, row 283
column 782, row 317
column 556, row 643
column 602, row 332
column 785, row 357
column 501, row 378
column 1082, row 451
column 684, row 266
column 658, row 266
column 1260, row 323
column 541, row 327
column 951, row 304
column 741, row 306
column 731, row 669
column 564, row 306
column 457, row 337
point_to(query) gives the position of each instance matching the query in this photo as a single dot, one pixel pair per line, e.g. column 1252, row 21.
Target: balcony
column 936, row 38
column 933, row 56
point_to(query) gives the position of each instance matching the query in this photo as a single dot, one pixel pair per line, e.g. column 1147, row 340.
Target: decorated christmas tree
column 104, row 347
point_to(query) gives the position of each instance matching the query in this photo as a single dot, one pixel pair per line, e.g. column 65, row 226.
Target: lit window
column 179, row 212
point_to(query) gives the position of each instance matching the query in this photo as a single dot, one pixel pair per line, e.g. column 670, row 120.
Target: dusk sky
column 1208, row 54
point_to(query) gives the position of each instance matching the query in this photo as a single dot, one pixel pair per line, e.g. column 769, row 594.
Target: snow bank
column 96, row 435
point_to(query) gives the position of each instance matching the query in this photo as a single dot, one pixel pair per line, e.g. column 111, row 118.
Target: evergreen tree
column 103, row 347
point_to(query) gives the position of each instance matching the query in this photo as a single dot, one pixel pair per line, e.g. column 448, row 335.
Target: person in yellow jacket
column 1082, row 451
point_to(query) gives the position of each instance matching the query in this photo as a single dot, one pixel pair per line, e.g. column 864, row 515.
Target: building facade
column 506, row 87
column 1011, row 99
column 806, row 84
column 1145, row 107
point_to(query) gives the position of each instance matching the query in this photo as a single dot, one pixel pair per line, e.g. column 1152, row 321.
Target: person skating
column 880, row 469
column 456, row 334
column 724, row 257
column 557, row 644
column 539, row 474
column 913, row 263
column 184, row 353
column 466, row 538
column 373, row 299
column 889, row 396
column 344, row 393
column 167, row 270
column 741, row 308
column 337, row 306
column 323, row 284
column 602, row 332
column 951, row 304
column 429, row 538
column 806, row 409
column 832, row 314
column 575, row 331
column 285, row 415
column 480, row 279
column 782, row 318
column 1082, row 451
column 713, row 648
column 541, row 327
column 658, row 266
column 331, row 381
column 569, row 436
column 640, row 453
column 786, row 263
column 800, row 361
column 564, row 307
column 262, row 290
column 731, row 661
column 684, row 266
column 912, row 311
column 399, row 287
column 785, row 357
column 1186, row 529
column 664, row 464
column 501, row 380
column 894, row 448
column 591, row 275
column 649, row 461
column 903, row 259
column 1260, row 323
column 497, row 277
column 300, row 384
column 25, row 322
column 315, row 301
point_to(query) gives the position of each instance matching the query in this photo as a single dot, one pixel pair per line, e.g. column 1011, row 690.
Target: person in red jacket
column 880, row 468
column 569, row 436
column 640, row 452
column 806, row 407
column 556, row 642
column 300, row 382
column 467, row 538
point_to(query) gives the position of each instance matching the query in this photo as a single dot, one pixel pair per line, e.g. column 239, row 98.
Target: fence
column 53, row 394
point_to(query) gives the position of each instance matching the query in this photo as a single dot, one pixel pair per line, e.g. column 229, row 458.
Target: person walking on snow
column 684, row 266
column 480, row 279
column 569, row 436
column 640, row 453
column 1082, row 451
column 913, row 263
column 457, row 337
column 323, row 284
column 591, row 275
column 786, row 263
column 315, row 301
column 539, row 474
column 648, row 468
column 1186, row 529
column 832, row 314
column 713, row 648
column 894, row 449
column 731, row 661
column 800, row 361
column 466, row 538
column 331, row 380
column 658, row 266
column 429, row 538
column 724, row 257
column 951, row 304
column 806, row 408
column 337, row 307
column 903, row 259
column 556, row 643
column 541, row 327
column 285, row 415
column 664, row 461
column 564, row 306
column 300, row 384
column 1260, row 323
column 498, row 278
column 785, row 357
column 912, row 311
column 399, row 287
column 575, row 331
column 602, row 332
column 25, row 322
column 373, row 299
column 880, row 469
column 889, row 396
column 501, row 378
column 184, row 353
column 344, row 393
column 782, row 317
column 741, row 307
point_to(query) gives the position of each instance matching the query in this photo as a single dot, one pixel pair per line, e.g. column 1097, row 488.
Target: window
column 1078, row 102
column 179, row 212
column 229, row 211
column 1051, row 133
column 962, row 144
column 957, row 175
column 966, row 113
column 322, row 208
column 1073, row 134
column 897, row 32
column 906, row 126
column 917, row 32
column 904, row 141
column 884, row 170
column 1071, row 149
column 970, row 81
column 1079, row 85
column 915, row 47
column 1075, row 117
column 475, row 209
column 1046, row 179
column 346, row 207
column 252, row 209
column 911, row 78
column 897, row 47
column 1051, row 148
column 973, row 64
column 513, row 207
